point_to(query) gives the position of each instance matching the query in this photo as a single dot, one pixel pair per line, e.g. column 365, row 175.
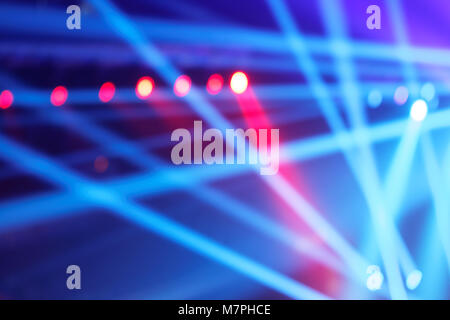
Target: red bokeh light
column 106, row 92
column 215, row 84
column 59, row 96
column 101, row 164
column 144, row 87
column 182, row 86
column 6, row 99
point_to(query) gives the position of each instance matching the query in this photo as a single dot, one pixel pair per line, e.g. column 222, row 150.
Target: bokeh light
column 215, row 84
column 182, row 86
column 106, row 92
column 144, row 87
column 428, row 91
column 419, row 110
column 374, row 98
column 59, row 96
column 101, row 164
column 239, row 82
column 413, row 280
column 401, row 95
column 6, row 99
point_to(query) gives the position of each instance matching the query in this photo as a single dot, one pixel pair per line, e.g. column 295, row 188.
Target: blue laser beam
column 153, row 58
column 18, row 17
column 385, row 229
column 153, row 221
column 438, row 189
column 118, row 145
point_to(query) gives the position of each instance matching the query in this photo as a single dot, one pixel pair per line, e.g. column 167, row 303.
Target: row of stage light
column 238, row 84
column 144, row 88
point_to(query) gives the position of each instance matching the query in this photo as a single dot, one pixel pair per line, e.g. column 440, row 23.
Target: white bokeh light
column 419, row 110
column 413, row 280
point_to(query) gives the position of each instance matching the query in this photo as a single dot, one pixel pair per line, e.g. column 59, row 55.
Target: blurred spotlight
column 106, row 92
column 401, row 95
column 58, row 96
column 182, row 86
column 101, row 164
column 419, row 110
column 375, row 279
column 6, row 99
column 215, row 84
column 144, row 87
column 239, row 82
column 413, row 280
column 374, row 99
column 427, row 91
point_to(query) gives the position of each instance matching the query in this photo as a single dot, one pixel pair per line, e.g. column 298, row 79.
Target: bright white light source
column 428, row 91
column 375, row 279
column 239, row 82
column 413, row 279
column 419, row 110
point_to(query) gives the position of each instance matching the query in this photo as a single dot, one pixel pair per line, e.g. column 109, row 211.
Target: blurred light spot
column 401, row 95
column 239, row 82
column 434, row 104
column 6, row 99
column 215, row 84
column 374, row 98
column 375, row 279
column 182, row 86
column 59, row 96
column 106, row 92
column 101, row 164
column 144, row 87
column 428, row 91
column 413, row 280
column 419, row 110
